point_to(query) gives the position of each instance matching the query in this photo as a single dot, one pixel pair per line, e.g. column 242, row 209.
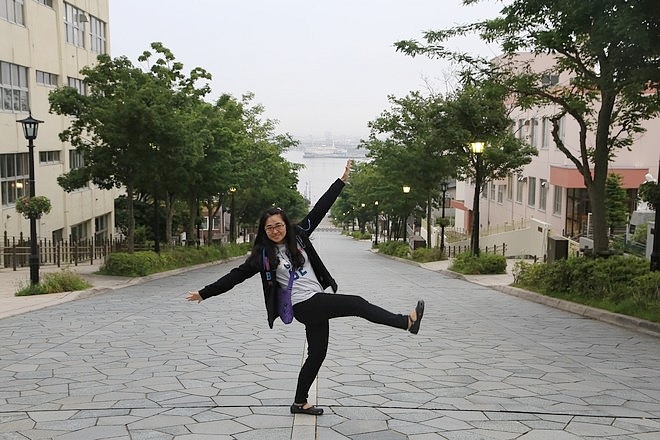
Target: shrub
column 621, row 284
column 358, row 235
column 55, row 282
column 424, row 255
column 139, row 264
column 395, row 248
column 481, row 264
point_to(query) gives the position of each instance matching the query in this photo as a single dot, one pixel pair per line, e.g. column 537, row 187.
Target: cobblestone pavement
column 140, row 362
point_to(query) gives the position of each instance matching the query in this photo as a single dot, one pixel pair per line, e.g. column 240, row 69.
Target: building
column 550, row 192
column 43, row 45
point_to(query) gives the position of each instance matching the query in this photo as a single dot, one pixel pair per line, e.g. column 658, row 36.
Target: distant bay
column 318, row 172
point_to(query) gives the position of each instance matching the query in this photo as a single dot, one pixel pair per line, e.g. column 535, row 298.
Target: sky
column 323, row 70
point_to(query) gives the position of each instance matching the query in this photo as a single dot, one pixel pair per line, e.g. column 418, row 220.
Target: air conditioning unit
column 586, row 245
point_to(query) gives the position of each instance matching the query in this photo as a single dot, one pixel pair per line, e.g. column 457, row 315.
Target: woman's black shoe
column 312, row 410
column 419, row 310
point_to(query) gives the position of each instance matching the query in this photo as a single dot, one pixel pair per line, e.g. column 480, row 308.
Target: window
column 562, row 122
column 12, row 11
column 532, row 131
column 48, row 3
column 47, row 79
column 77, row 84
column 549, row 79
column 521, row 126
column 531, row 191
column 13, row 87
column 500, row 193
column 101, row 230
column 76, row 160
column 556, row 208
column 80, row 231
column 74, row 25
column 49, row 157
column 543, row 194
column 217, row 223
column 97, row 35
column 509, row 188
column 14, row 177
column 492, row 191
column 519, row 189
column 546, row 133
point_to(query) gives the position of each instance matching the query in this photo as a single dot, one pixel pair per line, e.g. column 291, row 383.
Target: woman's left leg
column 324, row 306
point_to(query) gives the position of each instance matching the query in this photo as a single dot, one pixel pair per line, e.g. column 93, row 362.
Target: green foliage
column 395, row 248
column 358, row 235
column 481, row 264
column 33, row 207
column 617, row 207
column 620, row 284
column 424, row 255
column 140, row 264
column 640, row 234
column 649, row 192
column 608, row 95
column 55, row 282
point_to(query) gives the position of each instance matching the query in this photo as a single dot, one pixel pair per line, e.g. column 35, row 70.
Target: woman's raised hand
column 347, row 171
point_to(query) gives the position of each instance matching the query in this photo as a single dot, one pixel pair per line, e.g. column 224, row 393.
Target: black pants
column 315, row 314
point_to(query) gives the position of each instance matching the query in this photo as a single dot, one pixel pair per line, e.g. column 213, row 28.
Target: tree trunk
column 169, row 216
column 131, row 219
column 428, row 220
column 601, row 163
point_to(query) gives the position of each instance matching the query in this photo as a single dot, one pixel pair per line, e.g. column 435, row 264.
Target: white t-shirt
column 305, row 283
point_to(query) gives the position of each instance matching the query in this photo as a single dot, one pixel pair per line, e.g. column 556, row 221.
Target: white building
column 550, row 190
column 43, row 45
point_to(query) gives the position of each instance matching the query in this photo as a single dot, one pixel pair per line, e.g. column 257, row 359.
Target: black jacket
column 254, row 263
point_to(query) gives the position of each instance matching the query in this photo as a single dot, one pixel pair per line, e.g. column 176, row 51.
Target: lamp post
column 376, row 227
column 477, row 149
column 232, row 226
column 30, row 128
column 655, row 253
column 406, row 190
column 443, row 187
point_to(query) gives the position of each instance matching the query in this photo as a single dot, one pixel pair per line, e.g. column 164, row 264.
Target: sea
column 318, row 172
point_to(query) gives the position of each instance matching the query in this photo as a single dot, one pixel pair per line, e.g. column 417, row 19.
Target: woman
column 284, row 256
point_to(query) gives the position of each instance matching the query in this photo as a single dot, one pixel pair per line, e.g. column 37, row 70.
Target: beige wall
column 40, row 44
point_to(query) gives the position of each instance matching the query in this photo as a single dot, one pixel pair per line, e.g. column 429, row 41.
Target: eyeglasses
column 271, row 228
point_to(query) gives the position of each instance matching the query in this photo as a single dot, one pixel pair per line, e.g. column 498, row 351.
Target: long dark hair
column 262, row 241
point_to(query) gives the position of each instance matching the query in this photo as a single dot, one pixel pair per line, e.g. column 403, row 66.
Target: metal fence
column 16, row 251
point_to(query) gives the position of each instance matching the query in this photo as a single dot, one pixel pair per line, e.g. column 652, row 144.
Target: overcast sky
column 319, row 68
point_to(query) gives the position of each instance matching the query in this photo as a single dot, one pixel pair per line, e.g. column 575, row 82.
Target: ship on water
column 325, row 152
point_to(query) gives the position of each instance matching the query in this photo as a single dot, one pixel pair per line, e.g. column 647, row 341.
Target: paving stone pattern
column 142, row 363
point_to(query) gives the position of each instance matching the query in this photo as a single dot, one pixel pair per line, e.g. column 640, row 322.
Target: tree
column 477, row 113
column 131, row 127
column 415, row 145
column 609, row 48
column 617, row 206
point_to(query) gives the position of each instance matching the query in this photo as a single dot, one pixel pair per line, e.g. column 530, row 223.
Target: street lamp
column 443, row 187
column 477, row 149
column 30, row 128
column 232, row 226
column 376, row 227
column 406, row 190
